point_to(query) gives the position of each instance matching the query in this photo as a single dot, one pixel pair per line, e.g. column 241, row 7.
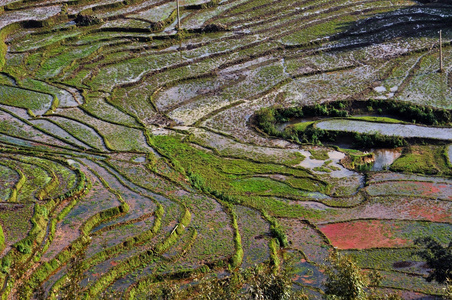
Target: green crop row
column 127, row 244
column 136, row 261
column 17, row 187
column 4, row 32
column 43, row 131
column 2, row 242
column 276, row 229
column 39, row 221
column 48, row 268
column 53, row 184
column 83, row 186
column 175, row 234
column 237, row 258
column 274, row 245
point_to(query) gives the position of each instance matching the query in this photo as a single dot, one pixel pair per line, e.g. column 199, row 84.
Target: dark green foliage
column 263, row 284
column 277, row 232
column 438, row 258
column 84, row 20
column 412, row 112
column 345, row 279
column 313, row 135
column 24, row 246
column 267, row 118
column 6, row 264
column 363, row 140
column 260, row 282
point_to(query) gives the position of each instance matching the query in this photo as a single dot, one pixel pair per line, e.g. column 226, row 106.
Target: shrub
column 438, row 258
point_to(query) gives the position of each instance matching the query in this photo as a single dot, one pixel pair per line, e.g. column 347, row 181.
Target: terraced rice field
column 128, row 156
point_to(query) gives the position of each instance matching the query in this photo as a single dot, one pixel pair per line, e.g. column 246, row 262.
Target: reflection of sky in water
column 408, row 131
column 384, row 158
column 140, row 159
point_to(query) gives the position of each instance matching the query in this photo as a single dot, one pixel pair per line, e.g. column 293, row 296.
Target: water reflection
column 402, row 130
column 384, row 158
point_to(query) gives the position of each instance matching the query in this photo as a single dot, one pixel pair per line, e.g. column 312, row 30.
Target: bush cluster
column 412, row 112
column 267, row 118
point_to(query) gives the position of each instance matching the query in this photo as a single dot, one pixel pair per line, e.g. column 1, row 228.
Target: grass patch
column 320, row 154
column 378, row 119
column 429, row 160
column 23, row 98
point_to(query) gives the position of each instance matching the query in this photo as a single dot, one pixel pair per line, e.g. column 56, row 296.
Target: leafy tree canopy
column 438, row 258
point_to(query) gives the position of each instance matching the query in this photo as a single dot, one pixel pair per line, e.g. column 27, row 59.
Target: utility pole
column 440, row 52
column 178, row 15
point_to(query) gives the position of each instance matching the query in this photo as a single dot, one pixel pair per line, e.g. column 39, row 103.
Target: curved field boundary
column 19, row 184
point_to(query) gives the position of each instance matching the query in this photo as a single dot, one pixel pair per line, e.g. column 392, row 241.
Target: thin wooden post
column 178, row 15
column 440, row 52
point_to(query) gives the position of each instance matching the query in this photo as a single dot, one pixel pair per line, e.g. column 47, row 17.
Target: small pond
column 139, row 159
column 384, row 158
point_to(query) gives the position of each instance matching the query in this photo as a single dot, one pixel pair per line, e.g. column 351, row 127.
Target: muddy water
column 406, row 131
column 140, row 159
column 56, row 130
column 385, row 157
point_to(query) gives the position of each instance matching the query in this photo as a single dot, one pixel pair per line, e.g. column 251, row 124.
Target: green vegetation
column 321, row 154
column 2, row 239
column 424, row 160
column 24, row 98
column 17, row 187
column 306, row 132
column 377, row 119
column 226, row 178
column 237, row 258
column 346, row 281
column 438, row 258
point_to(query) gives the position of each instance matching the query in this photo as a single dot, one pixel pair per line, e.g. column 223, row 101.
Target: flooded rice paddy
column 402, row 130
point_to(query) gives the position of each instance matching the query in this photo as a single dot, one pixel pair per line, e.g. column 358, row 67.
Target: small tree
column 345, row 280
column 263, row 284
column 438, row 258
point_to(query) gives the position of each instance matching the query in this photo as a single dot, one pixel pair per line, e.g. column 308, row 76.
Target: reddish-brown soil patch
column 432, row 213
column 361, row 235
column 431, row 190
